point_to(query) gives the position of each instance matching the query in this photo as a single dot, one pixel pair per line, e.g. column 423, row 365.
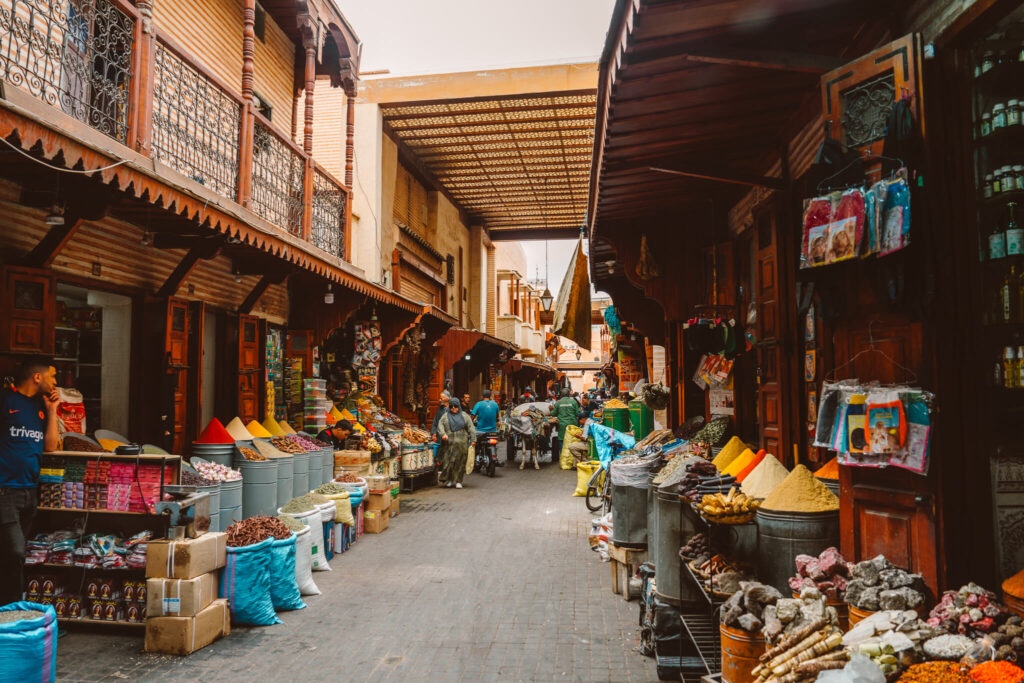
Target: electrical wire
column 25, row 154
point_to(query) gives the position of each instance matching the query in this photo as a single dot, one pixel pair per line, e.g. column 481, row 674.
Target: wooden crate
column 624, row 562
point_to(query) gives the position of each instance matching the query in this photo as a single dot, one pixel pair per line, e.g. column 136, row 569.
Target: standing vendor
column 568, row 412
column 442, row 407
column 28, row 426
column 456, row 430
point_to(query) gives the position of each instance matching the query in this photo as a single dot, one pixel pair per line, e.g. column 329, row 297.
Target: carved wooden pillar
column 307, row 138
column 350, row 155
column 245, row 136
column 140, row 123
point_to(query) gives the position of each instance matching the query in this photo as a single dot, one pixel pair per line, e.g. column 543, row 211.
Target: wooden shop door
column 248, row 368
column 177, row 345
column 774, row 377
column 889, row 511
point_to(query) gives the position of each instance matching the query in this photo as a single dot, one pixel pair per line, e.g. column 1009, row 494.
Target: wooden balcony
column 100, row 62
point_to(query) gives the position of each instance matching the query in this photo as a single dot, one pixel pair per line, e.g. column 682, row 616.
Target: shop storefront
column 843, row 298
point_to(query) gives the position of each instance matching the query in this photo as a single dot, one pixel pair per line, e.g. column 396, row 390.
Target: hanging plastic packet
column 914, row 454
column 885, row 426
column 828, row 411
column 876, row 201
column 817, row 217
column 895, row 224
column 846, row 231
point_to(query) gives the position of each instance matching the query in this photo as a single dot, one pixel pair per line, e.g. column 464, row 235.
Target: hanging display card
column 722, row 402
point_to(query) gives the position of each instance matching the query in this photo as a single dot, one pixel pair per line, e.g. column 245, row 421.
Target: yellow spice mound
column 729, row 452
column 801, row 492
column 740, row 463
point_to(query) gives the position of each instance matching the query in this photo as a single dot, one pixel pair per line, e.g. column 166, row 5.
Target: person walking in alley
column 568, row 412
column 442, row 407
column 457, row 432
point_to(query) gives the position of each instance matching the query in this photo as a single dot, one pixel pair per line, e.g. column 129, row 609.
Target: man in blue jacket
column 28, row 426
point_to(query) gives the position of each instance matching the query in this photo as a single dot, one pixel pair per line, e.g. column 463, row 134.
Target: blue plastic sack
column 605, row 441
column 284, row 590
column 245, row 582
column 28, row 648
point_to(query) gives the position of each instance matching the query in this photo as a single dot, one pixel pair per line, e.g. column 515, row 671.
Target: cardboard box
column 378, row 500
column 378, row 482
column 180, row 597
column 394, row 507
column 185, row 635
column 376, row 521
column 187, row 558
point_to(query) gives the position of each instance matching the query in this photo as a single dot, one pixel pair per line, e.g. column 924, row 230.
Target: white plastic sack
column 327, row 511
column 304, row 562
column 313, row 519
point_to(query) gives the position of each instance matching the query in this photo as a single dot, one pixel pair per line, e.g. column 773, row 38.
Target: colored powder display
column 1015, row 585
column 110, row 444
column 801, row 492
column 741, row 461
column 292, row 523
column 236, row 428
column 300, row 504
column 997, row 672
column 285, row 427
column 729, row 452
column 214, row 432
column 270, row 424
column 257, row 430
column 829, row 470
column 755, row 461
column 336, row 414
column 763, row 479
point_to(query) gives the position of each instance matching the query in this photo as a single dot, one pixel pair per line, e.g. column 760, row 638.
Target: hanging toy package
column 914, row 454
column 816, row 220
column 846, row 231
column 894, row 227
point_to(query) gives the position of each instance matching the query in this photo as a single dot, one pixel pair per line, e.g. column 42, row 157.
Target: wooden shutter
column 400, row 210
column 418, row 287
column 417, row 207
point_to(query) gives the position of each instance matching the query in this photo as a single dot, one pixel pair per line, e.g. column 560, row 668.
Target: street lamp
column 546, row 300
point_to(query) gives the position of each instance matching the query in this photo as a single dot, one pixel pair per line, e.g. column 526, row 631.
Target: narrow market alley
column 493, row 582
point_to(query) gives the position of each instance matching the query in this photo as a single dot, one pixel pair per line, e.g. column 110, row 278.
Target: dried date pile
column 256, row 529
column 250, row 454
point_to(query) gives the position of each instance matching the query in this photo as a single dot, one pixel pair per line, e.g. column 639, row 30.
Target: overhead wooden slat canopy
column 516, row 160
column 696, row 98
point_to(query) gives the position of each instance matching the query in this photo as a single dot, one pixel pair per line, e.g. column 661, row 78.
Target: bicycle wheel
column 606, row 497
column 594, row 499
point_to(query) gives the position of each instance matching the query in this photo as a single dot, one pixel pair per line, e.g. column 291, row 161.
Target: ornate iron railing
column 278, row 176
column 195, row 124
column 72, row 54
column 328, row 221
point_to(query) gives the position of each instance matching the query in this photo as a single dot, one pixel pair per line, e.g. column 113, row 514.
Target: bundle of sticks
column 802, row 655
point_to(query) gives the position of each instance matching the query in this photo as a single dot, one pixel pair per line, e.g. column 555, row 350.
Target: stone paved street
column 493, row 582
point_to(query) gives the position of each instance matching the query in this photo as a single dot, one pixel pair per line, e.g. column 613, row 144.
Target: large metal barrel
column 313, row 465
column 230, row 503
column 629, row 516
column 641, row 418
column 652, row 519
column 784, row 535
column 326, row 466
column 259, row 486
column 214, row 492
column 616, row 418
column 674, row 528
column 300, row 475
column 741, row 652
column 285, row 479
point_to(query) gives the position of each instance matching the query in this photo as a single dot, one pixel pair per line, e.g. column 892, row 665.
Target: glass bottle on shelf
column 1018, row 177
column 999, row 116
column 987, row 62
column 1008, row 295
column 996, row 243
column 986, row 124
column 986, row 187
column 1011, row 367
column 997, row 180
column 1014, row 234
column 1013, row 113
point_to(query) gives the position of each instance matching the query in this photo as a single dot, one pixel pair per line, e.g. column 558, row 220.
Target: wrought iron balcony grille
column 71, row 54
column 195, row 124
column 278, row 175
column 328, row 229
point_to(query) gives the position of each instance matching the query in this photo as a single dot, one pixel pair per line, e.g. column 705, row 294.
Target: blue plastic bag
column 245, row 582
column 28, row 648
column 605, row 441
column 284, row 590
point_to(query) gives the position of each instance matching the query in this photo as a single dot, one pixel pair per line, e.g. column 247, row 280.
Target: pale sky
column 438, row 36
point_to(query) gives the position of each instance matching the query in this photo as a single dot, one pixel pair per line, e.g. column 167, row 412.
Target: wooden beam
column 259, row 289
column 777, row 60
column 180, row 272
column 174, row 241
column 736, row 179
column 587, row 125
column 500, row 122
column 521, row 234
column 43, row 254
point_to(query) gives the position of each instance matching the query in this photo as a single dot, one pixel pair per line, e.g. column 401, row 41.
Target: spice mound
column 287, row 445
column 614, row 403
column 997, row 672
column 255, row 529
column 801, row 492
column 250, row 454
column 292, row 523
column 19, row 615
column 935, row 672
column 300, row 504
column 829, row 470
column 348, row 478
column 763, row 479
column 331, row 489
column 189, row 479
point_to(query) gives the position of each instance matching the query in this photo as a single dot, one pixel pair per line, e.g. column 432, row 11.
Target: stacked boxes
column 315, row 404
column 72, row 495
column 182, row 614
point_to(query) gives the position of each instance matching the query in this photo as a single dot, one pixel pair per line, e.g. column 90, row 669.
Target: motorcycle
column 486, row 453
